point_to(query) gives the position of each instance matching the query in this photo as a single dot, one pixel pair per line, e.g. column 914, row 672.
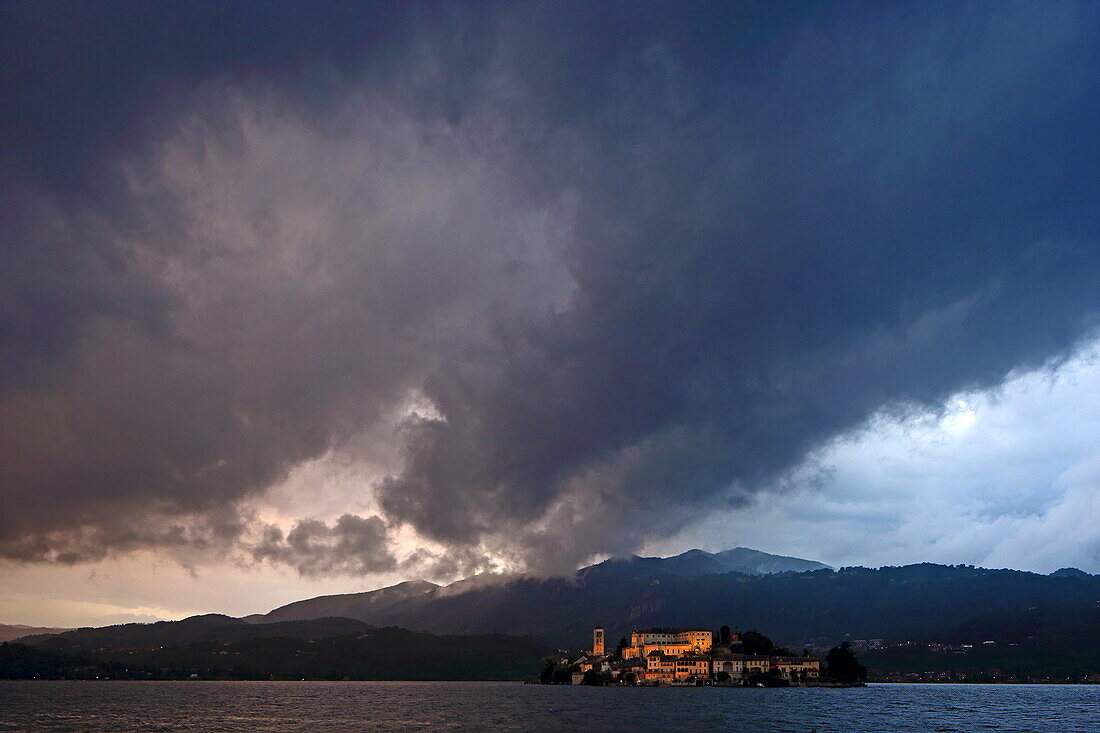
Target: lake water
column 473, row 706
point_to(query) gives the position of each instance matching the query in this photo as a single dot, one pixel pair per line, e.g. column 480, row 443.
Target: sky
column 313, row 298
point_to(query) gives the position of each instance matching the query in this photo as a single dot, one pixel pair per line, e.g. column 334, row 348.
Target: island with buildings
column 694, row 657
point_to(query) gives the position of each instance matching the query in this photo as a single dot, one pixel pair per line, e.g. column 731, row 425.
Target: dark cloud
column 639, row 258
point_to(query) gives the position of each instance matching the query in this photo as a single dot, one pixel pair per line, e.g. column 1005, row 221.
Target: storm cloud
column 584, row 273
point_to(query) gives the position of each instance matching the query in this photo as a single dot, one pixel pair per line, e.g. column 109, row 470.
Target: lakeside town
column 698, row 657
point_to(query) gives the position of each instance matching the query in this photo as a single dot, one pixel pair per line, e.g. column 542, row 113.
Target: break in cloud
column 563, row 277
column 1000, row 478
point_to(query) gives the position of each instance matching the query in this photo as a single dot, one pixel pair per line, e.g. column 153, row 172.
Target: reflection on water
column 472, row 706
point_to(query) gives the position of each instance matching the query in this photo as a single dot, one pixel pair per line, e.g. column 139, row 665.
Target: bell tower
column 597, row 640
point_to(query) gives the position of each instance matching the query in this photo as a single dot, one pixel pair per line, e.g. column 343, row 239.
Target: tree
column 595, row 677
column 623, row 643
column 547, row 674
column 724, row 636
column 723, row 676
column 756, row 643
column 771, row 678
column 841, row 665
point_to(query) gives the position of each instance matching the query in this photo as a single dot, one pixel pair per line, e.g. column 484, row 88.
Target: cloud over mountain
column 581, row 273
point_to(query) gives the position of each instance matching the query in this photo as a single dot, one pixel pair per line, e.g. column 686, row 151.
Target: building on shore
column 668, row 641
column 672, row 656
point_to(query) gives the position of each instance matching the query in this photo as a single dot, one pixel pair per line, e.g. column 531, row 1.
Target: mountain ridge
column 9, row 632
column 368, row 605
column 347, row 605
column 692, row 588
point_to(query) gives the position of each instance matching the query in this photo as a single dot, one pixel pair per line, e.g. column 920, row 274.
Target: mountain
column 1048, row 623
column 15, row 631
column 698, row 562
column 894, row 603
column 348, row 605
column 740, row 587
column 820, row 606
column 371, row 654
column 393, row 602
column 1044, row 643
column 754, row 562
column 210, row 628
column 1069, row 573
column 135, row 635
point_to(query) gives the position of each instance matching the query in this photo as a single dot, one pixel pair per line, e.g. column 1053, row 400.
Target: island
column 696, row 657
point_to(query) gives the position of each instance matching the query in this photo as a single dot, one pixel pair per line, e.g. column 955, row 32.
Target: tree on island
column 547, row 675
column 623, row 643
column 596, row 678
column 771, row 678
column 562, row 675
column 841, row 665
column 753, row 642
column 724, row 636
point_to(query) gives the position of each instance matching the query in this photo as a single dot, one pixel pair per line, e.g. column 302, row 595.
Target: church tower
column 597, row 640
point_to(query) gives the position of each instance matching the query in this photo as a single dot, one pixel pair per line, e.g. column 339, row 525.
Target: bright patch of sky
column 1002, row 478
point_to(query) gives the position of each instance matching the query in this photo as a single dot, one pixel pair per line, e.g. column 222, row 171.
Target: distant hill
column 754, row 562
column 793, row 600
column 698, row 562
column 1048, row 642
column 371, row 654
column 347, row 605
column 1069, row 573
column 161, row 633
column 1047, row 623
column 15, row 631
column 395, row 602
column 821, row 606
column 213, row 628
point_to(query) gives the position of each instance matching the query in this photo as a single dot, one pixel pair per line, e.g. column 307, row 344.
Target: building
column 756, row 664
column 692, row 667
column 685, row 656
column 798, row 668
column 660, row 667
column 731, row 664
column 630, row 670
column 669, row 641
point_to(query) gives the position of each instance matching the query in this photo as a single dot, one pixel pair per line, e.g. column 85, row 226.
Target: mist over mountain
column 404, row 598
column 892, row 602
column 1043, row 626
column 793, row 599
column 699, row 562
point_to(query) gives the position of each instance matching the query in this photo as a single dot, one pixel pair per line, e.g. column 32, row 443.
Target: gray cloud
column 352, row 545
column 639, row 259
column 756, row 277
